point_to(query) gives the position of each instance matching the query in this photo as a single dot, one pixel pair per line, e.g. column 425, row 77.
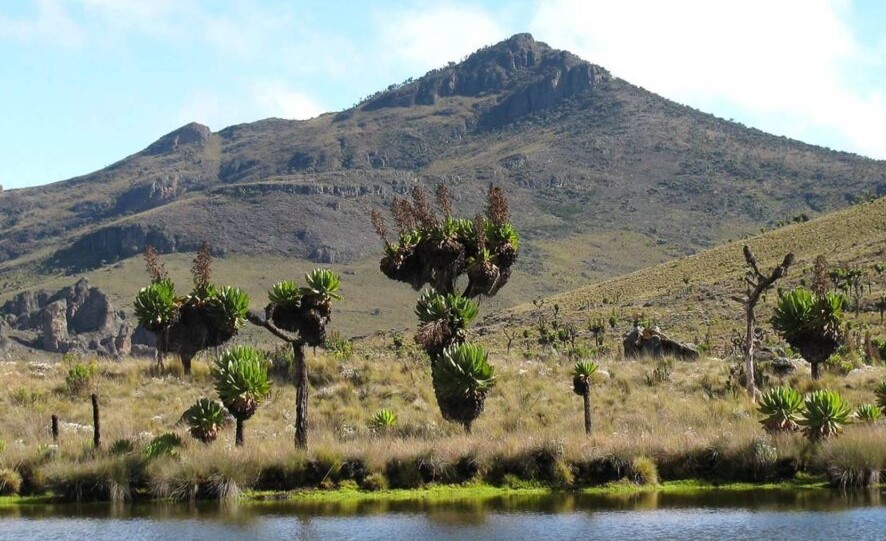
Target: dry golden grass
column 692, row 297
column 532, row 408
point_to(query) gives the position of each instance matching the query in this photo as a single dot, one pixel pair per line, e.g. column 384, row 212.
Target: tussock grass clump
column 10, row 482
column 858, row 458
column 103, row 478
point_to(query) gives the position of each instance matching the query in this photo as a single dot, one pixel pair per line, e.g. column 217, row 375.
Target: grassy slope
column 690, row 296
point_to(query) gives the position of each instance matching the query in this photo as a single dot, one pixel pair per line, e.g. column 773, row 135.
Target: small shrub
column 868, row 413
column 80, row 377
column 10, row 482
column 880, row 391
column 339, row 347
column 163, row 445
column 383, row 421
column 660, row 373
column 25, row 397
column 121, row 447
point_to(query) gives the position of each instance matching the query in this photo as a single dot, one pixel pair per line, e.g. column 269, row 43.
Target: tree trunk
column 587, row 400
column 186, row 363
column 750, row 385
column 238, row 440
column 467, row 427
column 54, row 428
column 96, row 423
column 301, row 396
column 816, row 370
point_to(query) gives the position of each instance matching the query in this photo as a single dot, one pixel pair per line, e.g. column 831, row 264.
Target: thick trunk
column 239, row 437
column 587, row 400
column 749, row 351
column 467, row 428
column 301, row 397
column 96, row 423
column 186, row 363
column 816, row 370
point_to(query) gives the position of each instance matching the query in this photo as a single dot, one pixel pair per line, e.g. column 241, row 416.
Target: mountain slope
column 693, row 296
column 582, row 154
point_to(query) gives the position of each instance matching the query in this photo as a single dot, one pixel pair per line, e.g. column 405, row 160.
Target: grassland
column 692, row 424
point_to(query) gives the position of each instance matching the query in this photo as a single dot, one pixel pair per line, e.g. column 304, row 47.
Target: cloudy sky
column 87, row 82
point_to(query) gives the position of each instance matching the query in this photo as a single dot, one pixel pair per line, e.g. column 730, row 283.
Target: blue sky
column 87, row 82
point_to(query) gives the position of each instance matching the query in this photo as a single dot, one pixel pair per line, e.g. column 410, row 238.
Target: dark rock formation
column 147, row 196
column 77, row 317
column 640, row 342
column 112, row 243
column 534, row 75
column 189, row 134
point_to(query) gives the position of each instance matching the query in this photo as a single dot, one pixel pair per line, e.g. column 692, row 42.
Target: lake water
column 753, row 515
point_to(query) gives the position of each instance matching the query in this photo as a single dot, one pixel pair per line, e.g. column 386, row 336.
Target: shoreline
column 442, row 493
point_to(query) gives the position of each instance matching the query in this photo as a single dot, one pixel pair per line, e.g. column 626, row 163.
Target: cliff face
column 577, row 150
column 529, row 76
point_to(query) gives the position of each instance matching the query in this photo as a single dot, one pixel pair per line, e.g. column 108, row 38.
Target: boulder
column 93, row 314
column 641, row 342
column 123, row 340
column 55, row 327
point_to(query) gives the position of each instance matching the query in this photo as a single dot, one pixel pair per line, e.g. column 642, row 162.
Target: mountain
column 604, row 177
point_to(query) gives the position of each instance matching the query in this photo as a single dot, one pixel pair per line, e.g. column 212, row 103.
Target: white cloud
column 262, row 100
column 789, row 61
column 434, row 35
column 52, row 23
column 275, row 99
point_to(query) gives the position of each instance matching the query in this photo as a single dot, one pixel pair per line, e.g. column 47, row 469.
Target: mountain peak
column 526, row 75
column 190, row 133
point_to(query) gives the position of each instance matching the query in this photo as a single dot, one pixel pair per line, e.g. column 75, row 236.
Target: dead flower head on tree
column 207, row 317
column 433, row 250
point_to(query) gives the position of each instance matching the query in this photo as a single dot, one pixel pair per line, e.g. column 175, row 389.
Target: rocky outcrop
column 534, row 76
column 113, row 243
column 77, row 317
column 641, row 342
column 189, row 134
column 147, row 196
column 564, row 78
column 54, row 328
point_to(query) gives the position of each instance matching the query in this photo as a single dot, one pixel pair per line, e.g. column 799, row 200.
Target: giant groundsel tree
column 436, row 251
column 811, row 323
column 299, row 315
column 207, row 317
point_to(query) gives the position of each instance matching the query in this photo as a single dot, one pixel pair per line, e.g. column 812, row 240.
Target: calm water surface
column 754, row 515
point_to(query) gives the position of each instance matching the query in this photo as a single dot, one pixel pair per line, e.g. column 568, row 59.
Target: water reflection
column 465, row 509
column 727, row 516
